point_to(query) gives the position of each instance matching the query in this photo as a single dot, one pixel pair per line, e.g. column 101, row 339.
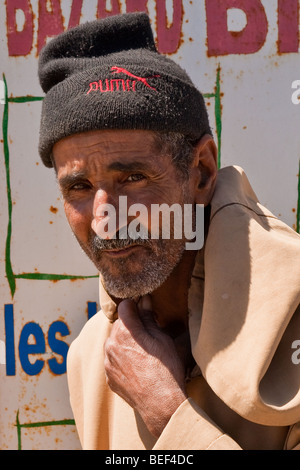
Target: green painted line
column 41, row 424
column 298, row 204
column 8, row 266
column 218, row 111
column 24, row 99
column 51, row 277
column 19, row 432
column 218, row 114
column 11, row 277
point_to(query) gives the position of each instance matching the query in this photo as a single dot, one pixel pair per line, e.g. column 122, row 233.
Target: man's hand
column 142, row 365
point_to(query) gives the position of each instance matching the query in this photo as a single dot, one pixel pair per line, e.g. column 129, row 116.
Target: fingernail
column 146, row 302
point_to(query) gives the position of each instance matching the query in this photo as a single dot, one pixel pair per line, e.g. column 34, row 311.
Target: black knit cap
column 107, row 74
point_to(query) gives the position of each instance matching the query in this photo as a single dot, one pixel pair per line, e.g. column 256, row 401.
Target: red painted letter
column 288, row 20
column 220, row 41
column 75, row 13
column 136, row 5
column 19, row 42
column 50, row 22
column 102, row 12
column 168, row 37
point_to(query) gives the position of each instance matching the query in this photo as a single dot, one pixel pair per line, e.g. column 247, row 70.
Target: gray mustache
column 118, row 243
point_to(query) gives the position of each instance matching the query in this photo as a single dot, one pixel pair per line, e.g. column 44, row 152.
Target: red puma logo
column 140, row 79
column 119, row 84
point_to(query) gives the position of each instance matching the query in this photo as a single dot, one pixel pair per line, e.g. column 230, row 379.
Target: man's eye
column 135, row 177
column 79, row 187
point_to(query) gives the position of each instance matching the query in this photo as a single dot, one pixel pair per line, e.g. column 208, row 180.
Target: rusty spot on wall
column 53, row 209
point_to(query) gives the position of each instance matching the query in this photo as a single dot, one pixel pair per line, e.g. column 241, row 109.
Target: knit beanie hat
column 108, row 74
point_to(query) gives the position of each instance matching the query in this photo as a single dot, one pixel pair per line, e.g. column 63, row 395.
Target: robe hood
column 244, row 305
column 244, row 298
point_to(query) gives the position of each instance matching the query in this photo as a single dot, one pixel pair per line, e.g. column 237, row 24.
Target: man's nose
column 106, row 214
column 102, row 198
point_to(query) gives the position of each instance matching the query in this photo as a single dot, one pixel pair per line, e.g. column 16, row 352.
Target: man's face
column 95, row 168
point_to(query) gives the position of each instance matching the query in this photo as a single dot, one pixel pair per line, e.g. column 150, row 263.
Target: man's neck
column 170, row 300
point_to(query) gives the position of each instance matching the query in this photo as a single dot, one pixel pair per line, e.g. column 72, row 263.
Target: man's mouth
column 116, row 252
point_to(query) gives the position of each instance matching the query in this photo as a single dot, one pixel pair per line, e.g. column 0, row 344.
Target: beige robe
column 244, row 317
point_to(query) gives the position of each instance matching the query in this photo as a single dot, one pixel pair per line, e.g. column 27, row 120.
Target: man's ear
column 205, row 170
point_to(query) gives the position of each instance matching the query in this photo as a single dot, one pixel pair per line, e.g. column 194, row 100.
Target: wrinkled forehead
column 118, row 150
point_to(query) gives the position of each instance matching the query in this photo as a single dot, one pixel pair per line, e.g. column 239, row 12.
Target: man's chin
column 128, row 281
column 133, row 271
column 128, row 290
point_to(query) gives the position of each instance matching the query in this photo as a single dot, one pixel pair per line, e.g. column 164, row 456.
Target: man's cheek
column 79, row 219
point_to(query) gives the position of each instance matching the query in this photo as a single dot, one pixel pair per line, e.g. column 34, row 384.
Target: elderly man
column 192, row 348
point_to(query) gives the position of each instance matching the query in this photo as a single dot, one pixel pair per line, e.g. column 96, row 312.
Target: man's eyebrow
column 67, row 180
column 130, row 166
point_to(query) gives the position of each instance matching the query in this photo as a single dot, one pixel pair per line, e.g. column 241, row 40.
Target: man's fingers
column 147, row 315
column 128, row 314
column 131, row 329
column 145, row 303
column 138, row 318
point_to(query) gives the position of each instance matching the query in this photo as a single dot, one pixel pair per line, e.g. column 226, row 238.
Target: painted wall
column 242, row 54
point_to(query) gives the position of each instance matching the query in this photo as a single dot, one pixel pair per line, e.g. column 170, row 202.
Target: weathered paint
column 51, row 22
column 47, row 284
